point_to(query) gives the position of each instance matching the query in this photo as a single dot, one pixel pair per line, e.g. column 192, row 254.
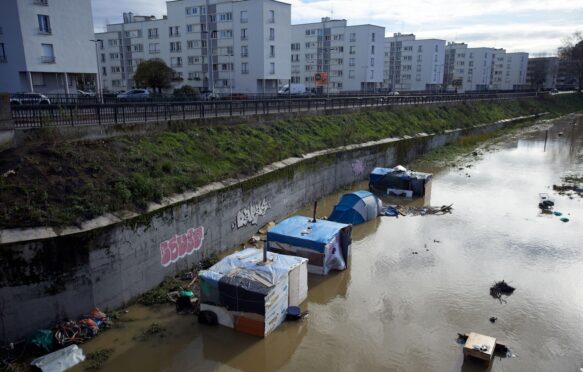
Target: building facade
column 213, row 45
column 467, row 69
column 347, row 58
column 413, row 65
column 46, row 45
column 509, row 70
column 542, row 73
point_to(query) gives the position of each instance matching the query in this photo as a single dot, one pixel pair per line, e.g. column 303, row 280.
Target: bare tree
column 572, row 51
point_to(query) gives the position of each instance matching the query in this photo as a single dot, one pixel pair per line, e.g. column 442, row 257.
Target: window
column 244, row 18
column 174, row 31
column 113, row 55
column 223, row 17
column 295, row 57
column 272, row 51
column 190, row 44
column 244, row 51
column 154, row 48
column 138, row 48
column 272, row 34
column 134, row 33
column 115, row 69
column 351, row 62
column 194, row 75
column 420, row 49
column 190, row 28
column 351, row 74
column 352, row 50
column 104, row 71
column 176, row 61
column 191, row 11
column 243, row 34
column 175, row 46
column 44, row 25
column 2, row 53
column 372, row 49
column 103, row 57
column 193, row 60
column 352, row 37
column 152, row 33
column 244, row 68
column 272, row 68
column 226, row 34
column 295, row 46
column 48, row 55
column 112, row 42
column 372, row 61
column 271, row 18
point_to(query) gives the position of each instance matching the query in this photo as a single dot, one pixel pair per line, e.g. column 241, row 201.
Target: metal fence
column 79, row 114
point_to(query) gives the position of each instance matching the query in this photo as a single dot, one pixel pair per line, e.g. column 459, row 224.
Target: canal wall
column 48, row 274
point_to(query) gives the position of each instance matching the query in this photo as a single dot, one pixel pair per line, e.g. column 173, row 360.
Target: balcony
column 244, row 20
column 47, row 59
column 41, row 2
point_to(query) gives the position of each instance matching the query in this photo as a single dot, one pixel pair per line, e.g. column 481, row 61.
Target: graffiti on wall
column 358, row 168
column 180, row 246
column 250, row 214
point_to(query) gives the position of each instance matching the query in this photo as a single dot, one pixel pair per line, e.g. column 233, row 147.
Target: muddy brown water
column 393, row 310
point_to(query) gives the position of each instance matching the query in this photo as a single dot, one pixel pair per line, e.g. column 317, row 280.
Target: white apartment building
column 228, row 46
column 351, row 56
column 508, row 70
column 467, row 69
column 413, row 65
column 45, row 45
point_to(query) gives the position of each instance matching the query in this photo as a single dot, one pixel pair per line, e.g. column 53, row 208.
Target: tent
column 250, row 295
column 356, row 207
column 325, row 244
column 399, row 181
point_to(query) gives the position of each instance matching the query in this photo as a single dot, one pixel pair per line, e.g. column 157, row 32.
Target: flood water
column 394, row 310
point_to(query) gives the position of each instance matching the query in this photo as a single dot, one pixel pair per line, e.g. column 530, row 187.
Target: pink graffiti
column 179, row 246
column 358, row 168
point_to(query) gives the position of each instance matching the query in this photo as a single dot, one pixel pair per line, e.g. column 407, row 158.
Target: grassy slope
column 65, row 183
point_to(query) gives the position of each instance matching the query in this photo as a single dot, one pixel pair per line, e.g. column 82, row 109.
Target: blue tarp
column 300, row 231
column 355, row 208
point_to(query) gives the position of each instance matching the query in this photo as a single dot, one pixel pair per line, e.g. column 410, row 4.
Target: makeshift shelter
column 399, row 181
column 250, row 295
column 326, row 244
column 356, row 208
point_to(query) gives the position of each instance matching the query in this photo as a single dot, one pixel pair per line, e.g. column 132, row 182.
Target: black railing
column 79, row 114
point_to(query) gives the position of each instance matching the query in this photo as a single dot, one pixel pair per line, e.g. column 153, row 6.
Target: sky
column 534, row 26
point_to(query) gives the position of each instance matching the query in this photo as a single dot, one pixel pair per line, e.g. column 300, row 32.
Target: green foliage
column 69, row 182
column 95, row 361
column 186, row 91
column 159, row 295
column 153, row 73
column 572, row 52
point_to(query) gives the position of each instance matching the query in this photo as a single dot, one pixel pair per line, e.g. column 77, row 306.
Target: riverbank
column 55, row 183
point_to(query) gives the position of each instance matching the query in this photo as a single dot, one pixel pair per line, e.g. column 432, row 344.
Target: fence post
column 183, row 113
column 98, row 112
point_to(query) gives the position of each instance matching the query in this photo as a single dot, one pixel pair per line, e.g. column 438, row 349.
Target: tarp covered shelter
column 250, row 295
column 326, row 244
column 399, row 181
column 356, row 207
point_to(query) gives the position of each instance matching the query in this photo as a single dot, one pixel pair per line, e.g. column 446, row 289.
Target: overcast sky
column 534, row 26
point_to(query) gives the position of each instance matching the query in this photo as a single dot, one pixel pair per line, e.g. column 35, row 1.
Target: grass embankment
column 63, row 183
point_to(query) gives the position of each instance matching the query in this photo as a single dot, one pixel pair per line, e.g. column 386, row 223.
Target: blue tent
column 356, row 207
column 398, row 181
column 325, row 244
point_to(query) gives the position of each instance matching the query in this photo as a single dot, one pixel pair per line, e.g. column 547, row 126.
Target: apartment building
column 227, row 46
column 542, row 73
column 508, row 70
column 348, row 58
column 45, row 45
column 467, row 69
column 413, row 65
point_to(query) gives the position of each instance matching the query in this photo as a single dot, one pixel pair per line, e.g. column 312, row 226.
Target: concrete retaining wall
column 49, row 274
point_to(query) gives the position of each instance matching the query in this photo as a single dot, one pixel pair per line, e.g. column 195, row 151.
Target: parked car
column 296, row 90
column 29, row 99
column 85, row 93
column 134, row 95
column 395, row 93
column 210, row 96
column 235, row 97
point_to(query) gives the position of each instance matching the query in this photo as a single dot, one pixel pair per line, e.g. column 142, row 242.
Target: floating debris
column 493, row 319
column 396, row 210
column 501, row 288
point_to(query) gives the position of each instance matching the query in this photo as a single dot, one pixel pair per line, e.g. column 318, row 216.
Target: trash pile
column 546, row 204
column 69, row 332
column 396, row 210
